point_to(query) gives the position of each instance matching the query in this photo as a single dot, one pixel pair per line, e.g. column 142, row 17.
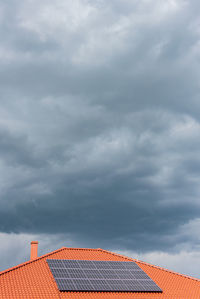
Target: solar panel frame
column 108, row 276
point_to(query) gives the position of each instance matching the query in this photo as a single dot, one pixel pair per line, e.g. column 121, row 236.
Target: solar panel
column 108, row 276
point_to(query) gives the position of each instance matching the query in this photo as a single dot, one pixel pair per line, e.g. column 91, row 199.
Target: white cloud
column 58, row 17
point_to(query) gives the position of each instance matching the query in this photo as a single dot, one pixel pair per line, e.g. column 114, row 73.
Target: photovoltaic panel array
column 107, row 276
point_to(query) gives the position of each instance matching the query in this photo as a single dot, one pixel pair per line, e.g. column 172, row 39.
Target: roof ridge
column 148, row 264
column 31, row 261
column 76, row 248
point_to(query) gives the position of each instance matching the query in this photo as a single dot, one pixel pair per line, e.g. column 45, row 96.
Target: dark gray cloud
column 99, row 126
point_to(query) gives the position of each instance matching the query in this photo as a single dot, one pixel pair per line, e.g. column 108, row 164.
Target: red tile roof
column 33, row 279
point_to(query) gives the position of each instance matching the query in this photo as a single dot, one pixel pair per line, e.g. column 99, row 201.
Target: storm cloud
column 99, row 123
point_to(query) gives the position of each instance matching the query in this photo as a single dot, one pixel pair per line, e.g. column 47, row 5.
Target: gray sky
column 99, row 128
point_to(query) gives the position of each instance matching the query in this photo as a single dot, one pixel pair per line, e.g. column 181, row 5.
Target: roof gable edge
column 31, row 261
column 148, row 264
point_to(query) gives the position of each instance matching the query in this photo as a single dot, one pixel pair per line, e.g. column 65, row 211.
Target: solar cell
column 102, row 282
column 139, row 275
column 55, row 263
column 82, row 284
column 131, row 265
column 116, row 288
column 76, row 273
column 71, row 264
column 103, row 265
column 60, row 273
column 84, row 275
column 93, row 274
column 116, row 265
column 125, row 275
column 62, row 283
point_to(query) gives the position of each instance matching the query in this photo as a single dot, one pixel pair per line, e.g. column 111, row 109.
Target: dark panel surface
column 110, row 276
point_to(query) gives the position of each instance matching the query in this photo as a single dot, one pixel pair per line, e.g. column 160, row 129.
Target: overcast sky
column 100, row 128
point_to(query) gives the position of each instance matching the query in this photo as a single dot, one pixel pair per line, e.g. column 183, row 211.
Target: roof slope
column 33, row 279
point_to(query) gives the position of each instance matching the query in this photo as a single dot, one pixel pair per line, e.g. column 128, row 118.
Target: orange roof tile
column 33, row 279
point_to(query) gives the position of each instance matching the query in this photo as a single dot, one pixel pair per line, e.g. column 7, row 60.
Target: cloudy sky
column 100, row 128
